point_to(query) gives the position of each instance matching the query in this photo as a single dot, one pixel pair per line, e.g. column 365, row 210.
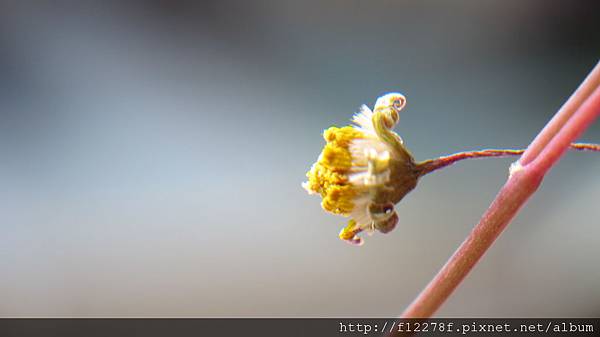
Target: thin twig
column 431, row 165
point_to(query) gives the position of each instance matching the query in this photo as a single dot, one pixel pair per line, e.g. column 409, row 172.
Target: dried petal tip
column 349, row 232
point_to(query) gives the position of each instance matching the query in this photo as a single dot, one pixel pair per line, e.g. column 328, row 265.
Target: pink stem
column 506, row 205
column 524, row 180
column 585, row 116
column 591, row 82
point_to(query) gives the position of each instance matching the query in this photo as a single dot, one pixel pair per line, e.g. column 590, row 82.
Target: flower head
column 364, row 169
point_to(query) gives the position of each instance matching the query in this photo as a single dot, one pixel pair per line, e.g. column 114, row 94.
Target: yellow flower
column 364, row 170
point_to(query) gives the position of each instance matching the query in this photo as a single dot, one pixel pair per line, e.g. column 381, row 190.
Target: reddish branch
column 578, row 113
column 431, row 165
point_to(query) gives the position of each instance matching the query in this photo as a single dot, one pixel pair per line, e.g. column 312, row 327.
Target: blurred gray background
column 151, row 155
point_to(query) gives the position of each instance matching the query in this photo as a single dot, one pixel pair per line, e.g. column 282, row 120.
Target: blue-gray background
column 151, row 155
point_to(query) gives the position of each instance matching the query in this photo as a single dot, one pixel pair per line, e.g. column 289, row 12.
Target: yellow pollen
column 329, row 175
